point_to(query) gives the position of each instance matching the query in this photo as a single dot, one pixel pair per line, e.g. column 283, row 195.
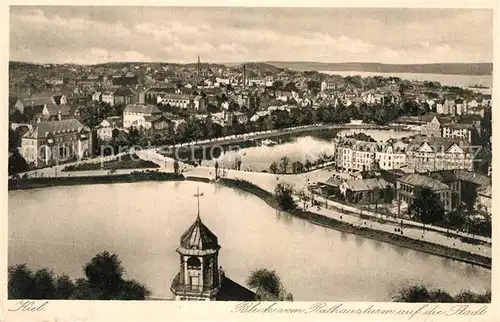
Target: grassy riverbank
column 383, row 236
column 35, row 183
column 123, row 162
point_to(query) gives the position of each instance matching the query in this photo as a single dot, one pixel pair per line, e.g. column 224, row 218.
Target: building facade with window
column 137, row 115
column 408, row 186
column 355, row 155
column 432, row 154
column 55, row 141
column 390, row 157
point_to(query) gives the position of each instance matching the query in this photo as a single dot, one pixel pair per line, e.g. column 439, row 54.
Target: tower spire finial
column 198, row 195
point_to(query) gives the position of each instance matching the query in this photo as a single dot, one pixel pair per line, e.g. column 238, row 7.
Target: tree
column 176, row 167
column 21, row 284
column 273, row 167
column 64, row 287
column 284, row 197
column 104, row 274
column 133, row 290
column 308, row 165
column 455, row 219
column 412, row 294
column 278, row 84
column 426, row 207
column 420, row 294
column 17, row 163
column 14, row 140
column 44, row 281
column 284, row 163
column 268, row 285
column 104, row 282
column 299, row 167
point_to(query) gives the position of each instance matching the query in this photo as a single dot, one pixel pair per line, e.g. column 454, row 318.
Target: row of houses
column 150, row 117
column 422, row 153
column 122, row 95
column 454, row 188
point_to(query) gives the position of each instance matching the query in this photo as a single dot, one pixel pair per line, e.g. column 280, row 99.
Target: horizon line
column 243, row 62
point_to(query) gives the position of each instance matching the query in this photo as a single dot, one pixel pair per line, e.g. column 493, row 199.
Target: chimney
column 59, row 115
column 244, row 75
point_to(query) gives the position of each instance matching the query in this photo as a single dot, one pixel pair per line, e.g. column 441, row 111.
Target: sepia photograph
column 250, row 154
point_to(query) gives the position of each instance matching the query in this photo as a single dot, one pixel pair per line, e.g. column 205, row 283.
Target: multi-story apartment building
column 459, row 131
column 55, row 141
column 390, row 157
column 355, row 155
column 431, row 154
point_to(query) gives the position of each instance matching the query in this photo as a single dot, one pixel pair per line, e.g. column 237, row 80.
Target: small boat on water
column 268, row 142
column 478, row 86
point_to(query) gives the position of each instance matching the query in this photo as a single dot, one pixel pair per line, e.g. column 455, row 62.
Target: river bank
column 317, row 219
column 214, row 148
column 378, row 235
column 36, row 183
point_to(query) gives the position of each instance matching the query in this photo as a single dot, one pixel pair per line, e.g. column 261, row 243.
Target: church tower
column 200, row 278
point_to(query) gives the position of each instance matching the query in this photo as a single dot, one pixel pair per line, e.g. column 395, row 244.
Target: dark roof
column 55, row 109
column 38, row 101
column 423, row 181
column 436, row 143
column 199, row 237
column 43, row 129
column 123, row 91
column 367, row 184
column 333, row 181
column 166, row 89
column 154, row 118
column 232, row 291
column 391, row 176
column 146, row 109
column 443, row 175
column 477, row 178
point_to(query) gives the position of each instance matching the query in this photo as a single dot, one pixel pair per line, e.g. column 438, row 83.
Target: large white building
column 432, row 153
column 355, row 155
column 177, row 100
column 137, row 115
column 390, row 157
column 55, row 141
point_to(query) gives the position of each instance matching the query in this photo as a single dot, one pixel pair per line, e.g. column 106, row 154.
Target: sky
column 88, row 35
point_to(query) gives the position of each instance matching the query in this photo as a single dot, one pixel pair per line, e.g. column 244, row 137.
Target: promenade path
column 411, row 229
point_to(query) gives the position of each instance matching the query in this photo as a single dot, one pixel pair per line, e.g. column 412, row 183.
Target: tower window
column 193, row 262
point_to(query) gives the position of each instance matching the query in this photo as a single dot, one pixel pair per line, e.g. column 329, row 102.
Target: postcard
column 170, row 161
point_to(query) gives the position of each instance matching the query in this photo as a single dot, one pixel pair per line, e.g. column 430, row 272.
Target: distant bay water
column 445, row 79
